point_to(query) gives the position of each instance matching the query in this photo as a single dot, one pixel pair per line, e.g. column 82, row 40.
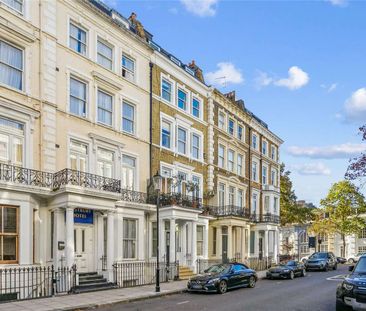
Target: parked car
column 287, row 270
column 351, row 293
column 222, row 277
column 354, row 258
column 321, row 261
column 341, row 260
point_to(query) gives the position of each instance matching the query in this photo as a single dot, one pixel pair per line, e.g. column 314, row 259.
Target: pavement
column 106, row 298
column 315, row 292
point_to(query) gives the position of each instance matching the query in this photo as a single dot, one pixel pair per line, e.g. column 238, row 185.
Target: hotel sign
column 83, row 216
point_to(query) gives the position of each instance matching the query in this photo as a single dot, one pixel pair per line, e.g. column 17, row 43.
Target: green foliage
column 291, row 212
column 341, row 210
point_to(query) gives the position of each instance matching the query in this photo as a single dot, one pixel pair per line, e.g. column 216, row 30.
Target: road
column 315, row 292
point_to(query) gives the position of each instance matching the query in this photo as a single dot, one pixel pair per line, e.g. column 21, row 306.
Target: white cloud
column 341, row 3
column 296, row 79
column 355, row 106
column 341, row 151
column 263, row 79
column 201, row 8
column 311, row 169
column 225, row 74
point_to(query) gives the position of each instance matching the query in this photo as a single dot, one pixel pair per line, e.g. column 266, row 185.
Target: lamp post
column 157, row 179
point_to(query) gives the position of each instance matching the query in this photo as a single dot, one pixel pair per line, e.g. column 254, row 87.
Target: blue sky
column 299, row 65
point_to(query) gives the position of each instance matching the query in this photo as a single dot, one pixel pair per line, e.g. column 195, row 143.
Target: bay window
column 9, row 234
column 11, row 65
column 105, row 108
column 129, row 238
column 128, row 172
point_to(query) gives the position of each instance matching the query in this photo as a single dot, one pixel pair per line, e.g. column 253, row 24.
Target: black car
column 321, row 261
column 219, row 278
column 287, row 270
column 351, row 293
column 341, row 260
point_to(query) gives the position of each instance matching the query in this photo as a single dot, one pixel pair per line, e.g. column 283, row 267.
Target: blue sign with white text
column 83, row 216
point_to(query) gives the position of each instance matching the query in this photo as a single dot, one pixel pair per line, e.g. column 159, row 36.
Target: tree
column 291, row 212
column 341, row 211
column 357, row 168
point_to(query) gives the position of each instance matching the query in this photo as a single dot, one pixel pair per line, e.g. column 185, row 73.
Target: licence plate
column 275, row 274
column 196, row 286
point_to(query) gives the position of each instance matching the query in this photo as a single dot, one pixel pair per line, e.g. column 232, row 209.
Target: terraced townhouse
column 244, row 182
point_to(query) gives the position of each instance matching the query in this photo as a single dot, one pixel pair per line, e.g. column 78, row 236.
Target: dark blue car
column 219, row 278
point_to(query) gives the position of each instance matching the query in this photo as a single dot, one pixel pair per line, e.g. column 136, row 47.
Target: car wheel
column 303, row 272
column 325, row 269
column 251, row 282
column 341, row 307
column 335, row 267
column 222, row 287
column 351, row 260
column 269, row 277
column 292, row 275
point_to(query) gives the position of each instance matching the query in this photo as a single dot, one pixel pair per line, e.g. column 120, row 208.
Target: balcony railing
column 176, row 199
column 87, row 180
column 55, row 181
column 268, row 218
column 228, row 210
column 25, row 176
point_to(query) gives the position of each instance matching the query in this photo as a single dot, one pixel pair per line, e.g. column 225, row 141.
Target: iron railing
column 267, row 218
column 20, row 283
column 25, row 176
column 129, row 274
column 176, row 199
column 253, row 263
column 228, row 210
column 133, row 196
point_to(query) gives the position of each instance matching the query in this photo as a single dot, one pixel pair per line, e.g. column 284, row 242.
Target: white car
column 355, row 258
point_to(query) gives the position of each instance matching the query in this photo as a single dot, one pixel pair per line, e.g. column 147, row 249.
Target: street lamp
column 157, row 180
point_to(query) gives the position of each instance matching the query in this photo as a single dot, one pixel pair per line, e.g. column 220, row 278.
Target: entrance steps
column 185, row 273
column 92, row 281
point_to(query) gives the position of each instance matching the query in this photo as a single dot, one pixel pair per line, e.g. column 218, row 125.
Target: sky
column 298, row 65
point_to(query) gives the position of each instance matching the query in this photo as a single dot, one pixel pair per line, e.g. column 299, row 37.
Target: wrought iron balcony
column 176, row 199
column 55, row 181
column 267, row 218
column 25, row 176
column 228, row 210
column 87, row 180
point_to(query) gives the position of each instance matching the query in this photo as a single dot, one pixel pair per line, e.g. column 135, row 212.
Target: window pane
column 10, row 220
column 182, row 100
column 9, row 248
column 165, row 134
column 196, row 107
column 18, row 150
column 166, row 90
column 14, row 4
column 128, row 118
column 4, row 147
column 10, row 55
column 105, row 54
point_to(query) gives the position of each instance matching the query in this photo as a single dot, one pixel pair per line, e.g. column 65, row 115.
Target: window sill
column 132, row 135
column 10, row 88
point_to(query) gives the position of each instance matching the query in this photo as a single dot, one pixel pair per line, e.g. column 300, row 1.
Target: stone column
column 162, row 247
column 266, row 243
column 100, row 239
column 69, row 245
column 205, row 242
column 110, row 244
column 219, row 242
column 194, row 246
column 275, row 247
column 230, row 242
column 172, row 240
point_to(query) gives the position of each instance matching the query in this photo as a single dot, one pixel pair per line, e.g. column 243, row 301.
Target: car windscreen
column 218, row 269
column 361, row 266
column 318, row 256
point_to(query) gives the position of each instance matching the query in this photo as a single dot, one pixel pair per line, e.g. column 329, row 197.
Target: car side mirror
column 350, row 268
column 205, row 271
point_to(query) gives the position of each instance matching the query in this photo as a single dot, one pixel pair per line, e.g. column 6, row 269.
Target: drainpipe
column 151, row 113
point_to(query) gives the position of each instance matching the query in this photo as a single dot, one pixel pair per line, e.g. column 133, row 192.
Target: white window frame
column 13, row 8
column 13, row 134
column 264, row 175
column 239, row 164
column 23, row 66
column 128, row 239
column 221, row 159
column 107, row 44
column 254, row 142
column 180, row 89
column 229, row 128
column 273, row 153
column 163, row 78
column 73, row 77
column 200, row 110
column 131, row 73
column 254, row 173
column 106, row 161
column 221, row 124
column 112, row 110
column 186, row 143
column 135, row 170
column 221, row 194
column 199, row 157
column 127, row 102
column 78, row 154
column 242, row 132
column 240, row 198
column 232, row 196
column 171, row 133
column 230, row 164
column 264, row 150
column 77, row 25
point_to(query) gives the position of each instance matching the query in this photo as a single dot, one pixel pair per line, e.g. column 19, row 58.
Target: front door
column 224, row 244
column 84, row 248
column 260, row 245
